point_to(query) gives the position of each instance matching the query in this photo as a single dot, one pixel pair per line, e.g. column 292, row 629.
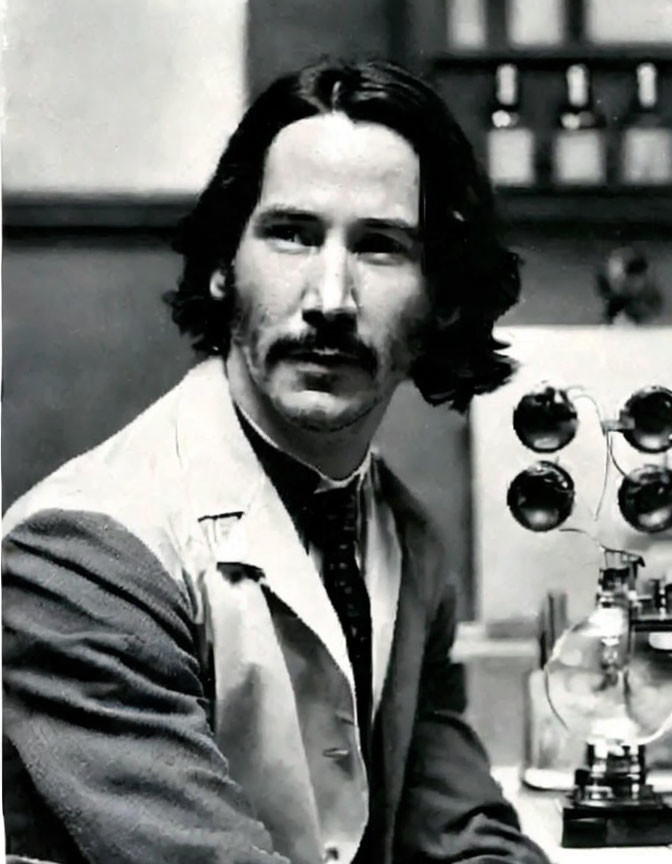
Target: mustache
column 346, row 344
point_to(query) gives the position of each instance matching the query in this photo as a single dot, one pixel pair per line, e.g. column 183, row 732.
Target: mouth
column 324, row 354
column 325, row 357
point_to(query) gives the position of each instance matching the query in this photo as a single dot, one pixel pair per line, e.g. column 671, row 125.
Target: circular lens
column 650, row 413
column 545, row 420
column 645, row 498
column 541, row 497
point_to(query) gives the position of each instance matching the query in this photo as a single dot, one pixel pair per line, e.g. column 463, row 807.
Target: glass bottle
column 466, row 24
column 579, row 146
column 510, row 142
column 646, row 144
column 536, row 22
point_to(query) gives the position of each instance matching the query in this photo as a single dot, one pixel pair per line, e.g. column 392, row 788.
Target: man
column 228, row 627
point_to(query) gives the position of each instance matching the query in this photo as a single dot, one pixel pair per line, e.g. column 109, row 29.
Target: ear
column 218, row 287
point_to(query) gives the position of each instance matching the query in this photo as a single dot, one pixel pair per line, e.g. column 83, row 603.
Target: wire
column 605, row 478
column 585, row 395
column 610, row 445
column 608, row 452
column 583, row 532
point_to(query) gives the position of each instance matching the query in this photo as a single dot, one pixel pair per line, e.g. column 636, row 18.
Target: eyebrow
column 281, row 212
column 373, row 222
column 413, row 231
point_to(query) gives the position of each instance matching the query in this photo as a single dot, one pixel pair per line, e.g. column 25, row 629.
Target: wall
column 107, row 97
column 86, row 346
column 559, row 265
column 284, row 36
column 130, row 101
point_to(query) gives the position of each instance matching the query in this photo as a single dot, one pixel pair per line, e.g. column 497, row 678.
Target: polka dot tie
column 334, row 530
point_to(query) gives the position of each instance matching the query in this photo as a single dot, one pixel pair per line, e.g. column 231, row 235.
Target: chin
column 322, row 412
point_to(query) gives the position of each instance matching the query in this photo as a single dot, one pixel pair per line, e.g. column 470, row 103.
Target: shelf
column 34, row 215
column 596, row 57
column 99, row 214
column 634, row 206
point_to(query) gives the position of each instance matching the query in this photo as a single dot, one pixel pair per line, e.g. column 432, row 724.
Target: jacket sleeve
column 105, row 718
column 453, row 810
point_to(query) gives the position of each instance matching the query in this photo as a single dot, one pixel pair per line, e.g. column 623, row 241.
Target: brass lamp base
column 612, row 804
column 645, row 824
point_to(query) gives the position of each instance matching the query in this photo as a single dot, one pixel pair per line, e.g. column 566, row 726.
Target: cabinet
column 464, row 75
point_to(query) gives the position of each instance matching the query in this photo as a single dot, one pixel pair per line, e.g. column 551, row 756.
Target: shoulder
column 79, row 562
column 130, row 481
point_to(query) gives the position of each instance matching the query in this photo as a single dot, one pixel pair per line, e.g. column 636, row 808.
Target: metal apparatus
column 608, row 678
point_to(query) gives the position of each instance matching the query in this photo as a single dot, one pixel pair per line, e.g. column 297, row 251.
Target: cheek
column 263, row 296
column 396, row 306
column 399, row 320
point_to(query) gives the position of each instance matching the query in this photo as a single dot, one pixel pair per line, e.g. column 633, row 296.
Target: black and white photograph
column 337, row 431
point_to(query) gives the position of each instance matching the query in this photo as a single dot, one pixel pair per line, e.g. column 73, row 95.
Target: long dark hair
column 471, row 278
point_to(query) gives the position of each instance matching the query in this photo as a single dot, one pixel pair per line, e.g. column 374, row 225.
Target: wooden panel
column 285, row 36
column 87, row 344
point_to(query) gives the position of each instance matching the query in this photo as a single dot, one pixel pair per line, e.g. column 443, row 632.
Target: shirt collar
column 295, row 481
column 283, row 468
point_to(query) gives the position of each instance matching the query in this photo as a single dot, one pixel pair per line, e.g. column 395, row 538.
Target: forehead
column 363, row 170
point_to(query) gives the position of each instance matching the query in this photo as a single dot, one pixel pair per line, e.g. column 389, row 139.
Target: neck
column 336, row 453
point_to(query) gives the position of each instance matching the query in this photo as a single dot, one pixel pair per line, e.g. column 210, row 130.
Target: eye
column 291, row 236
column 381, row 246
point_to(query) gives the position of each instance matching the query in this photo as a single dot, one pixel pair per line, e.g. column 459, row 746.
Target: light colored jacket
column 183, row 481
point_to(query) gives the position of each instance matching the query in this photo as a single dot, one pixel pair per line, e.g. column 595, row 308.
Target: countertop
column 540, row 817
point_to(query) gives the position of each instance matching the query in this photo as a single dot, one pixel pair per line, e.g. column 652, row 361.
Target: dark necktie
column 334, row 528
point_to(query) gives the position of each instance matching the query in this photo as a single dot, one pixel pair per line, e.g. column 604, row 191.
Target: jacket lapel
column 383, row 576
column 400, row 692
column 225, row 479
column 265, row 538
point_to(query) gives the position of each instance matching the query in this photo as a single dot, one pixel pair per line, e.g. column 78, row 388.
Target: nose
column 329, row 296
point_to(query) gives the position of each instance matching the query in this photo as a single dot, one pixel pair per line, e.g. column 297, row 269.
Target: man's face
column 329, row 291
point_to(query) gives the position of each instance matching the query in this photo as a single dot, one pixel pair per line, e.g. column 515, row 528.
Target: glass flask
column 609, row 677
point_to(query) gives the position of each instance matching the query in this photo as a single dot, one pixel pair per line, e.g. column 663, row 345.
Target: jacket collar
column 221, row 468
